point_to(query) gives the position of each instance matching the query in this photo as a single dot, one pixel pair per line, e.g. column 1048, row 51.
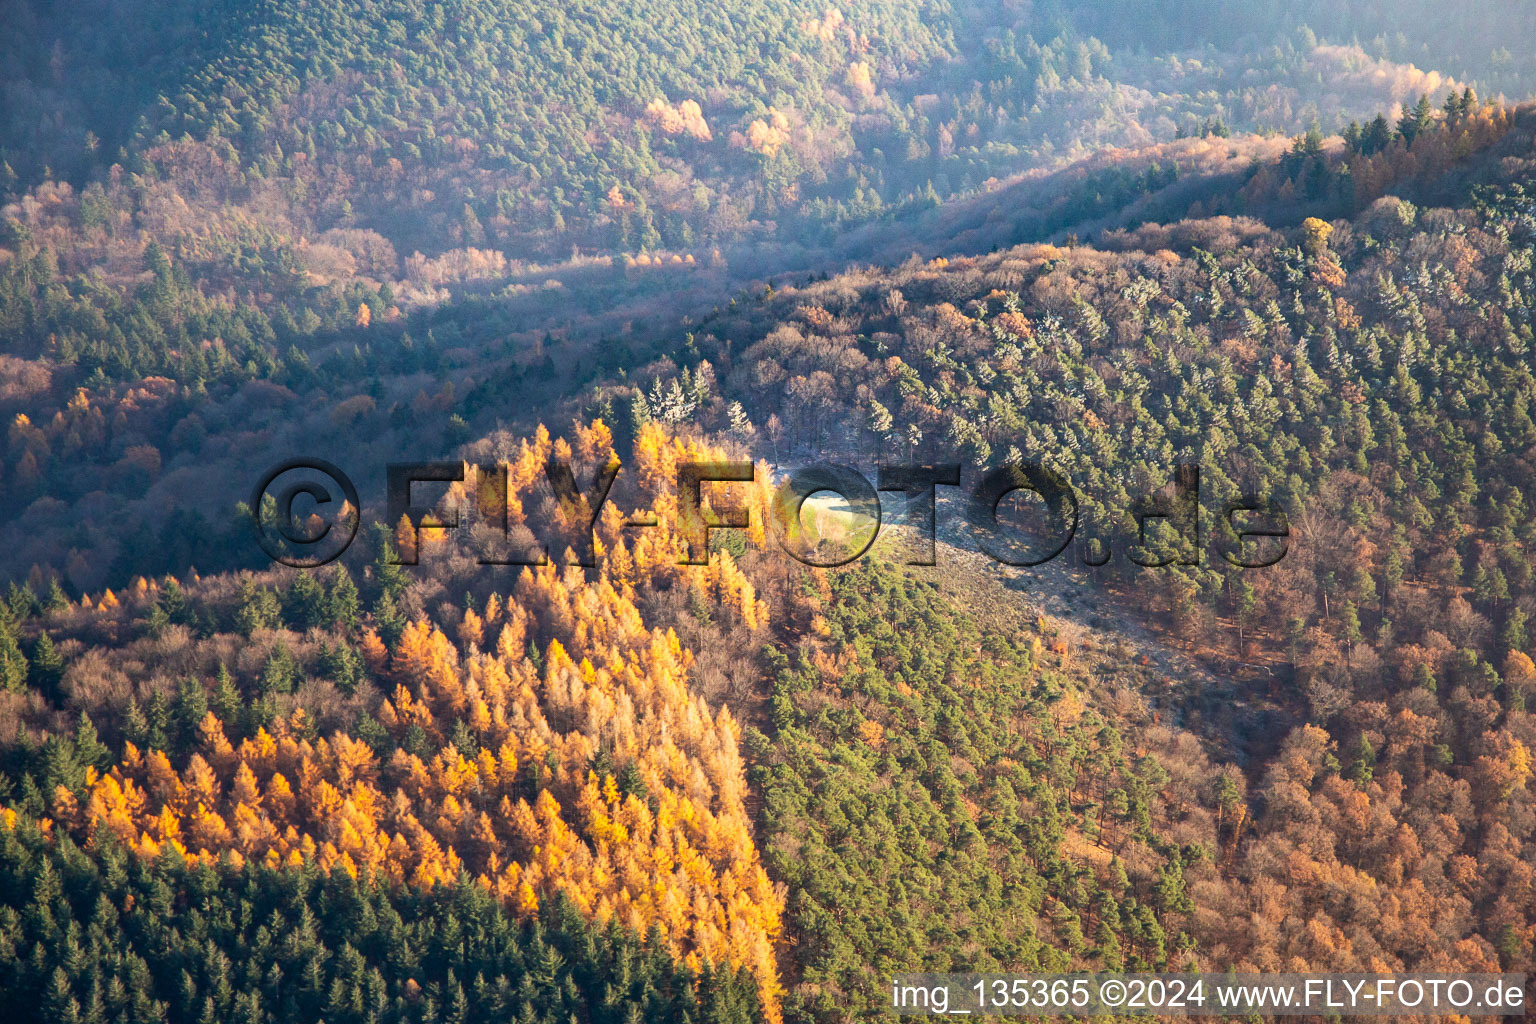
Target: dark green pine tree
column 1416, row 120
column 187, row 713
column 47, row 665
column 174, row 601
column 1362, row 767
column 304, row 604
column 21, row 602
column 281, row 672
column 13, row 664
column 1378, row 136
column 388, row 576
column 157, row 716
column 225, row 699
column 90, row 752
column 341, row 604
column 60, row 1002
column 258, row 608
column 56, row 600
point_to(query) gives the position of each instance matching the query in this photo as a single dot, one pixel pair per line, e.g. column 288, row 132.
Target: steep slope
column 530, row 129
column 555, row 752
column 1369, row 377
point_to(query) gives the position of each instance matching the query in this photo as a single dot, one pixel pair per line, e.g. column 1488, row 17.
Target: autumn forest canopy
column 1291, row 243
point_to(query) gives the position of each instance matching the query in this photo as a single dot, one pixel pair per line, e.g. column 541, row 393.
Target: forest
column 431, row 781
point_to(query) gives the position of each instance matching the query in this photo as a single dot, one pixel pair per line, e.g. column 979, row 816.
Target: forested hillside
column 907, row 728
column 532, row 129
column 1368, row 376
column 435, row 781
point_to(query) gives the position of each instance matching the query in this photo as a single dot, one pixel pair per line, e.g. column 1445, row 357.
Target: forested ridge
column 1369, row 376
column 1292, row 244
column 481, row 127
